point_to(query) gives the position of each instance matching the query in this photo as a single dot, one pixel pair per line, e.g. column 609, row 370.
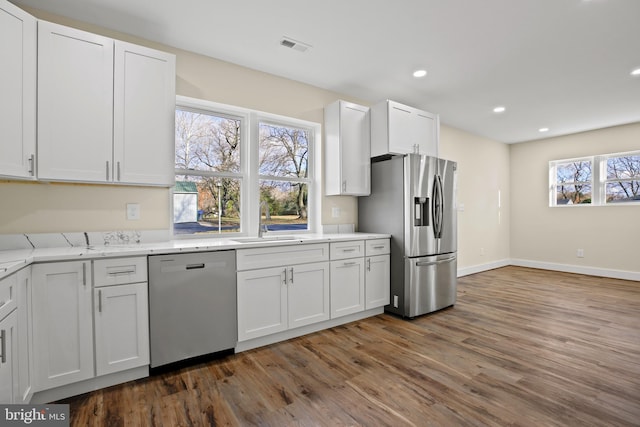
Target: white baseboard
column 483, row 267
column 579, row 269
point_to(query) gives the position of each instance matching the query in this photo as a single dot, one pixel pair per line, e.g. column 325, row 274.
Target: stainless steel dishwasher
column 192, row 305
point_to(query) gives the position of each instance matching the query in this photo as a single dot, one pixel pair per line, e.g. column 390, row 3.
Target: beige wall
column 483, row 171
column 609, row 235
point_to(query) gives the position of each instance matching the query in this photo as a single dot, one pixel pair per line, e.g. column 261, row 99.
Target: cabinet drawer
column 249, row 259
column 377, row 247
column 8, row 292
column 119, row 271
column 343, row 250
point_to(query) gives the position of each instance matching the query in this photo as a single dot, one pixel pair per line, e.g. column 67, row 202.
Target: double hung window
column 597, row 180
column 230, row 161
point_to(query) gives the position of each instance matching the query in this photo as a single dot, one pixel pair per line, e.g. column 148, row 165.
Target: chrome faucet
column 263, row 227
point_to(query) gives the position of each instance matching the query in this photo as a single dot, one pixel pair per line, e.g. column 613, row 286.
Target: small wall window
column 622, row 183
column 597, row 180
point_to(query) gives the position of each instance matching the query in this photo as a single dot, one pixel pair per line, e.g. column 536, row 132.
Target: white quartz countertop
column 13, row 260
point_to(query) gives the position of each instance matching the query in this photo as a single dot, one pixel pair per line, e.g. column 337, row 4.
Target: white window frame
column 598, row 180
column 250, row 189
column 604, row 180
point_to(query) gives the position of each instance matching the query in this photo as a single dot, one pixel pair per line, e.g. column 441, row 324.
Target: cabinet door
column 402, row 137
column 121, row 327
column 347, row 287
column 347, row 149
column 144, row 115
column 75, row 104
column 262, row 302
column 9, row 359
column 426, row 129
column 308, row 294
column 25, row 333
column 18, row 89
column 377, row 281
column 62, row 324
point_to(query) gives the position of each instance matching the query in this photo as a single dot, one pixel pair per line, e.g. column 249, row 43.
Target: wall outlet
column 580, row 253
column 335, row 212
column 133, row 211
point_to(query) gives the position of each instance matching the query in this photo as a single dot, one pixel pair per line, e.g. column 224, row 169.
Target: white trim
column 483, row 267
column 579, row 269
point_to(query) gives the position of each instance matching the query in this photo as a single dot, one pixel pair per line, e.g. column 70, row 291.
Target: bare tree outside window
column 284, row 174
column 208, row 181
column 623, row 179
column 573, row 182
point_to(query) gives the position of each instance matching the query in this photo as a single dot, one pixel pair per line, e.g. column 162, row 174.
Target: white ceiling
column 561, row 64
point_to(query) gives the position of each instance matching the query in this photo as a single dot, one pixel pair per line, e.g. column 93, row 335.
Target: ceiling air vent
column 294, row 44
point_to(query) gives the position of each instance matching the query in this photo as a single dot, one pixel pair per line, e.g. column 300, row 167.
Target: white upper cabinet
column 18, row 92
column 144, row 115
column 75, row 104
column 106, row 109
column 400, row 129
column 347, row 149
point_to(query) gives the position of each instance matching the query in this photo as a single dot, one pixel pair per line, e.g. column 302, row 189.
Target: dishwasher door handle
column 194, row 266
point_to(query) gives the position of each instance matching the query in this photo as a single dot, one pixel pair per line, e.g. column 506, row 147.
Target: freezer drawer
column 430, row 283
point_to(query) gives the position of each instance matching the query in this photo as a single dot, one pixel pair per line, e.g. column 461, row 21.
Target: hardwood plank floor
column 521, row 347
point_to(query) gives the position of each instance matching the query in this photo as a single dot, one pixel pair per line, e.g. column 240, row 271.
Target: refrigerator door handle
column 436, row 207
column 428, row 263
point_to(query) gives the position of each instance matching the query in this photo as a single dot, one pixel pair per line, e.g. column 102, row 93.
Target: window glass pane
column 207, row 142
column 578, row 171
column 623, row 191
column 623, row 167
column 283, row 151
column 288, row 205
column 206, row 205
column 570, row 194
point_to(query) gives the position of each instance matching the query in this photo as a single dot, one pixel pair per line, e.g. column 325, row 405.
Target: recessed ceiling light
column 499, row 109
column 419, row 73
column 543, row 130
column 636, row 72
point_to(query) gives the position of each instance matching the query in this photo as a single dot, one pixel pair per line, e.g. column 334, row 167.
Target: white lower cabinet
column 121, row 327
column 66, row 306
column 292, row 292
column 347, row 287
column 62, row 326
column 376, row 277
column 9, row 359
column 25, row 334
column 272, row 300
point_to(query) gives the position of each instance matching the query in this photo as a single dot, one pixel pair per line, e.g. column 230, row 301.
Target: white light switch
column 335, row 212
column 133, row 211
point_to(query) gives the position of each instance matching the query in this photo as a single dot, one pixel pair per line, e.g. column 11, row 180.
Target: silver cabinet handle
column 116, row 273
column 349, row 263
column 32, row 169
column 107, row 169
column 344, row 185
column 84, row 274
column 349, row 250
column 118, row 168
column 100, row 301
column 284, row 282
column 3, row 346
column 368, row 264
column 379, row 247
column 291, row 278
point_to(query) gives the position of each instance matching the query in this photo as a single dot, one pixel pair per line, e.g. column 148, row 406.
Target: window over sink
column 229, row 161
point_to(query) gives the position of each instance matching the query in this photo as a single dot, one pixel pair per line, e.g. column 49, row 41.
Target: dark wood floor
column 521, row 347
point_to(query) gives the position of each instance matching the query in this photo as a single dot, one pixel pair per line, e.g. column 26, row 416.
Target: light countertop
column 14, row 260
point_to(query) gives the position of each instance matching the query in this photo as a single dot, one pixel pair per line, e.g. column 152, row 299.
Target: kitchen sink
column 282, row 238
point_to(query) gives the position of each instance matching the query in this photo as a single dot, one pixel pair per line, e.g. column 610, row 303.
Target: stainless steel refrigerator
column 413, row 199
